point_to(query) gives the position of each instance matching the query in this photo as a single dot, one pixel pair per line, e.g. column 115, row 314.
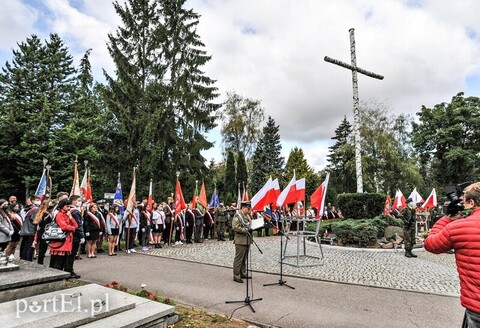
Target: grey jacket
column 28, row 228
column 5, row 229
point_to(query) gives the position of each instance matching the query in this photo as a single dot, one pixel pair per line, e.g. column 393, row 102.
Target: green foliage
column 365, row 234
column 296, row 161
column 230, row 186
column 241, row 119
column 241, row 175
column 361, row 206
column 447, row 140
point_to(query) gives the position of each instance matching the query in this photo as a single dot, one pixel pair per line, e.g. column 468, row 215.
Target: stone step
column 66, row 308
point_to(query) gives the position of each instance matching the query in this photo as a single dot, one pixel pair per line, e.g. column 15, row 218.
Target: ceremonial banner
column 150, row 197
column 42, row 185
column 214, row 200
column 202, row 202
column 132, row 199
column 179, row 201
column 76, row 184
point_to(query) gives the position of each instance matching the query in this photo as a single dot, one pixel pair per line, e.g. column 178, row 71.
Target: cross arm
column 350, row 67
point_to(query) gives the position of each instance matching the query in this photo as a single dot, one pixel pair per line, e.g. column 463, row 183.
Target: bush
column 390, row 220
column 365, row 234
column 361, row 205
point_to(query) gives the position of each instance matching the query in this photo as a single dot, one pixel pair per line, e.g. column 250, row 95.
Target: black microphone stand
column 248, row 301
column 281, row 282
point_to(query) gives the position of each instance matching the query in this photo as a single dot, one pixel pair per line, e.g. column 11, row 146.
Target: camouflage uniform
column 220, row 220
column 409, row 219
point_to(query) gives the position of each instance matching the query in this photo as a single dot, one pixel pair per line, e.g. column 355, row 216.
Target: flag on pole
column 399, row 201
column 317, row 199
column 300, row 190
column 288, row 194
column 263, row 197
column 118, row 198
column 431, row 201
column 195, row 195
column 179, row 200
column 214, row 200
column 386, row 207
column 415, row 196
column 42, row 185
column 88, row 195
column 76, row 184
column 83, row 184
column 132, row 197
column 150, row 197
column 202, row 202
column 276, row 192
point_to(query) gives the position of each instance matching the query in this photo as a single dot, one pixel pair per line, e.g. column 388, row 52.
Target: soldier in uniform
column 241, row 226
column 409, row 218
column 228, row 225
column 220, row 221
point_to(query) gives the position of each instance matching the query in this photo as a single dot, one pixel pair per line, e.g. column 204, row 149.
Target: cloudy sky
column 273, row 50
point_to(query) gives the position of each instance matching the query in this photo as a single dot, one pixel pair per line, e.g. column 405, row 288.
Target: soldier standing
column 241, row 226
column 220, row 220
column 409, row 218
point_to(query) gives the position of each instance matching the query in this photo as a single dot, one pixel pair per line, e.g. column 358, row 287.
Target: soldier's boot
column 413, row 255
column 408, row 254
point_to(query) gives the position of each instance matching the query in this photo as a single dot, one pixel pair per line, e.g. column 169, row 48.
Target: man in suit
column 243, row 239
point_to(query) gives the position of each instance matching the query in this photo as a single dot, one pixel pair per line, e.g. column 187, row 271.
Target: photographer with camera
column 460, row 230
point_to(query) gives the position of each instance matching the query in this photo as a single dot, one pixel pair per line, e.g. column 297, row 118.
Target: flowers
column 142, row 293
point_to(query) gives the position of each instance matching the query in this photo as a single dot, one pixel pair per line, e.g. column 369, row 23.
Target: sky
column 273, row 50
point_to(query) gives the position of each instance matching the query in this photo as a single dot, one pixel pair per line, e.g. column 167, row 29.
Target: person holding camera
column 408, row 215
column 461, row 232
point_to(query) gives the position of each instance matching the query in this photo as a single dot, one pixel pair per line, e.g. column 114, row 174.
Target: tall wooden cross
column 356, row 110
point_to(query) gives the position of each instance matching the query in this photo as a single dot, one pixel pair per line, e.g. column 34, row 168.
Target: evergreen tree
column 259, row 171
column 341, row 160
column 242, row 174
column 296, row 162
column 230, row 183
column 161, row 100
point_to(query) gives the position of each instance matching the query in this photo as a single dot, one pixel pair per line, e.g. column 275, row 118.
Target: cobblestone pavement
column 429, row 273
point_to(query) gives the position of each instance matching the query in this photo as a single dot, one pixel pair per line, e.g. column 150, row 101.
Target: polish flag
column 317, row 199
column 300, row 190
column 288, row 195
column 263, row 197
column 399, row 201
column 415, row 196
column 150, row 197
column 276, row 192
column 431, row 201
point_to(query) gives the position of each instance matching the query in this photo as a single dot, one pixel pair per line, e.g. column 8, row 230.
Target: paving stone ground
column 429, row 273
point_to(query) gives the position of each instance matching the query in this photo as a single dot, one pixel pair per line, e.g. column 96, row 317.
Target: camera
column 453, row 194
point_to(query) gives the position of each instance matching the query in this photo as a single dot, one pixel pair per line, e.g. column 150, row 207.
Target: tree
column 241, row 119
column 296, row 162
column 341, row 160
column 267, row 159
column 37, row 96
column 230, row 182
column 447, row 140
column 242, row 174
column 161, row 100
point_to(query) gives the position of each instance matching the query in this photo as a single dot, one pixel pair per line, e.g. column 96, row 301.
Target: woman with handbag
column 59, row 250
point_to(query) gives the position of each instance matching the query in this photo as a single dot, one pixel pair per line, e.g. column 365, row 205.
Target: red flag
column 431, row 201
column 179, row 201
column 202, row 198
column 300, row 190
column 245, row 194
column 132, row 198
column 150, row 197
column 195, row 195
column 88, row 193
column 386, row 208
column 317, row 199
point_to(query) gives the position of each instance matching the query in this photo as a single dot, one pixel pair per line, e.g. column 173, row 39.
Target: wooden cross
column 356, row 110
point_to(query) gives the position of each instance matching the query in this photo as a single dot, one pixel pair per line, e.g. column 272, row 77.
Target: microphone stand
column 248, row 301
column 281, row 282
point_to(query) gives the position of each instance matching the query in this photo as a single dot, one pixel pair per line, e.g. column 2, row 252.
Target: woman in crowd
column 59, row 250
column 93, row 228
column 6, row 228
column 158, row 224
column 114, row 219
column 13, row 212
column 41, row 219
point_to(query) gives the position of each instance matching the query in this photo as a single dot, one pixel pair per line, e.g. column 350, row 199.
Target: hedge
column 361, row 205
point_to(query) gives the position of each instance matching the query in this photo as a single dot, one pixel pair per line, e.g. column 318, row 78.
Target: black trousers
column 71, row 258
column 42, row 250
column 58, row 261
column 130, row 235
column 26, row 249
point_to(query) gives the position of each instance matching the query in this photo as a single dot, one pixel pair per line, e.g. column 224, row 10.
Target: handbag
column 53, row 233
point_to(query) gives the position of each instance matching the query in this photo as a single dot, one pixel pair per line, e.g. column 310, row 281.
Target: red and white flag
column 415, row 197
column 300, row 190
column 132, row 196
column 288, row 195
column 276, row 192
column 399, row 201
column 431, row 201
column 317, row 199
column 263, row 197
column 386, row 207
